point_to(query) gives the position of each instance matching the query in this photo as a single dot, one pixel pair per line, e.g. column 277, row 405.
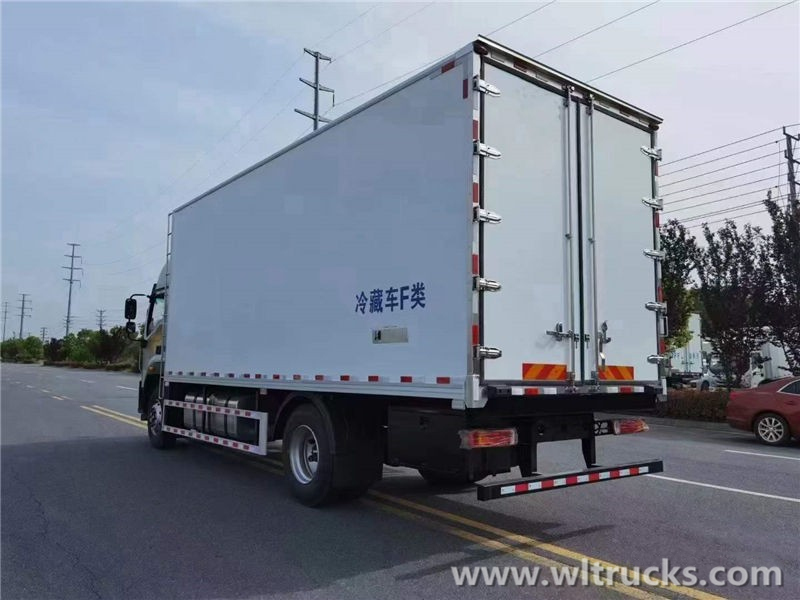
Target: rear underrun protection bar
column 541, row 483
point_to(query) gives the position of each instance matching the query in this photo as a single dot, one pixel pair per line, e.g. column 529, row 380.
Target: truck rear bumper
column 519, row 398
column 541, row 483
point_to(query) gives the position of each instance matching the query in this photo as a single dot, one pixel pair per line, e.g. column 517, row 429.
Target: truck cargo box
column 486, row 229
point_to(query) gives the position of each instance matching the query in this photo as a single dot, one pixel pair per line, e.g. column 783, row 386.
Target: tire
column 461, row 478
column 158, row 439
column 771, row 429
column 307, row 457
column 705, row 386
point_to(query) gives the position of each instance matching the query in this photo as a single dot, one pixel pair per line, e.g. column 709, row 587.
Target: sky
column 114, row 113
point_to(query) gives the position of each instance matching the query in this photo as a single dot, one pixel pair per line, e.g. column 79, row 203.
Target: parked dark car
column 770, row 411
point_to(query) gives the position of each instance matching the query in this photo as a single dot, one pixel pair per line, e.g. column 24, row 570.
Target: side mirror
column 130, row 311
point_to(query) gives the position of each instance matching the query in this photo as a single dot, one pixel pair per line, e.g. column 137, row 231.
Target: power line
column 722, row 211
column 733, row 143
column 518, row 19
column 720, row 180
column 692, row 41
column 757, row 212
column 598, row 28
column 377, row 35
column 732, row 187
column 717, row 159
column 744, row 162
column 718, row 200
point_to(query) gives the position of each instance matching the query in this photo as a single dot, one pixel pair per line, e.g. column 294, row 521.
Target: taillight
column 624, row 426
column 488, row 438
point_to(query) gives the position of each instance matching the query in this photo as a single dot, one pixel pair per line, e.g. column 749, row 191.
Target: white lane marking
column 65, row 397
column 30, row 387
column 56, row 398
column 762, row 454
column 86, row 381
column 47, row 391
column 124, row 387
column 727, row 489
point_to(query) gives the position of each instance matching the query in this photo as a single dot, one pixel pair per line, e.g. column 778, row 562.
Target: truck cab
column 150, row 357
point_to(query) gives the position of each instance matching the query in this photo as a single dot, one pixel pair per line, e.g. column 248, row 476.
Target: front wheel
column 771, row 429
column 155, row 421
column 307, row 457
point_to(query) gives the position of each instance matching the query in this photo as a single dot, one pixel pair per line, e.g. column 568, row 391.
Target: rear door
column 617, row 229
column 530, row 252
column 570, row 250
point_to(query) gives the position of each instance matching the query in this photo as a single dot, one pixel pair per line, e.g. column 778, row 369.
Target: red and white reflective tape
column 218, row 410
column 623, row 389
column 321, row 378
column 534, row 391
column 546, row 484
column 214, row 439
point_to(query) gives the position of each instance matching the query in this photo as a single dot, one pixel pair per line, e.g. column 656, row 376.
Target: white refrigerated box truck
column 443, row 278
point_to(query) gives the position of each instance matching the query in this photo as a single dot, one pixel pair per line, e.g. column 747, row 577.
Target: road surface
column 89, row 510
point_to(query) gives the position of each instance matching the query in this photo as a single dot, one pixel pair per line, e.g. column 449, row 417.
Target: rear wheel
column 155, row 421
column 307, row 456
column 771, row 429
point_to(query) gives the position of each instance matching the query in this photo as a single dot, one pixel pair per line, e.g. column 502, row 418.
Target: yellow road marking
column 119, row 414
column 496, row 545
column 110, row 416
column 528, row 541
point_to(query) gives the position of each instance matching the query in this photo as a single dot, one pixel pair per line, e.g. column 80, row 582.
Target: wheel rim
column 303, row 454
column 154, row 418
column 770, row 429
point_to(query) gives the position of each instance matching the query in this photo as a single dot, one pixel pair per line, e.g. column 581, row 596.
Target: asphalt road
column 89, row 510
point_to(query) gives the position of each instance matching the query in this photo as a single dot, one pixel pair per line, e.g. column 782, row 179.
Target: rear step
column 540, row 483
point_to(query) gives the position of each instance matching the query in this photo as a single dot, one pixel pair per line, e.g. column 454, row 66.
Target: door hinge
column 486, row 352
column 487, row 285
column 479, row 85
column 654, row 254
column 656, row 203
column 485, row 150
column 654, row 153
column 656, row 359
column 656, row 306
column 486, row 216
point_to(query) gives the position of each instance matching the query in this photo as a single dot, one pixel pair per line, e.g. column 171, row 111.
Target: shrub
column 695, row 405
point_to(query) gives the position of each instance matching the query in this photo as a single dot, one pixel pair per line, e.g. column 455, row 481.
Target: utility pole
column 100, row 321
column 71, row 279
column 24, row 306
column 44, row 335
column 5, row 318
column 315, row 85
column 791, row 162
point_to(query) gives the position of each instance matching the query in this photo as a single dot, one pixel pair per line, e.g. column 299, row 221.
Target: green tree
column 11, row 349
column 680, row 257
column 31, row 349
column 732, row 293
column 782, row 279
column 108, row 346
